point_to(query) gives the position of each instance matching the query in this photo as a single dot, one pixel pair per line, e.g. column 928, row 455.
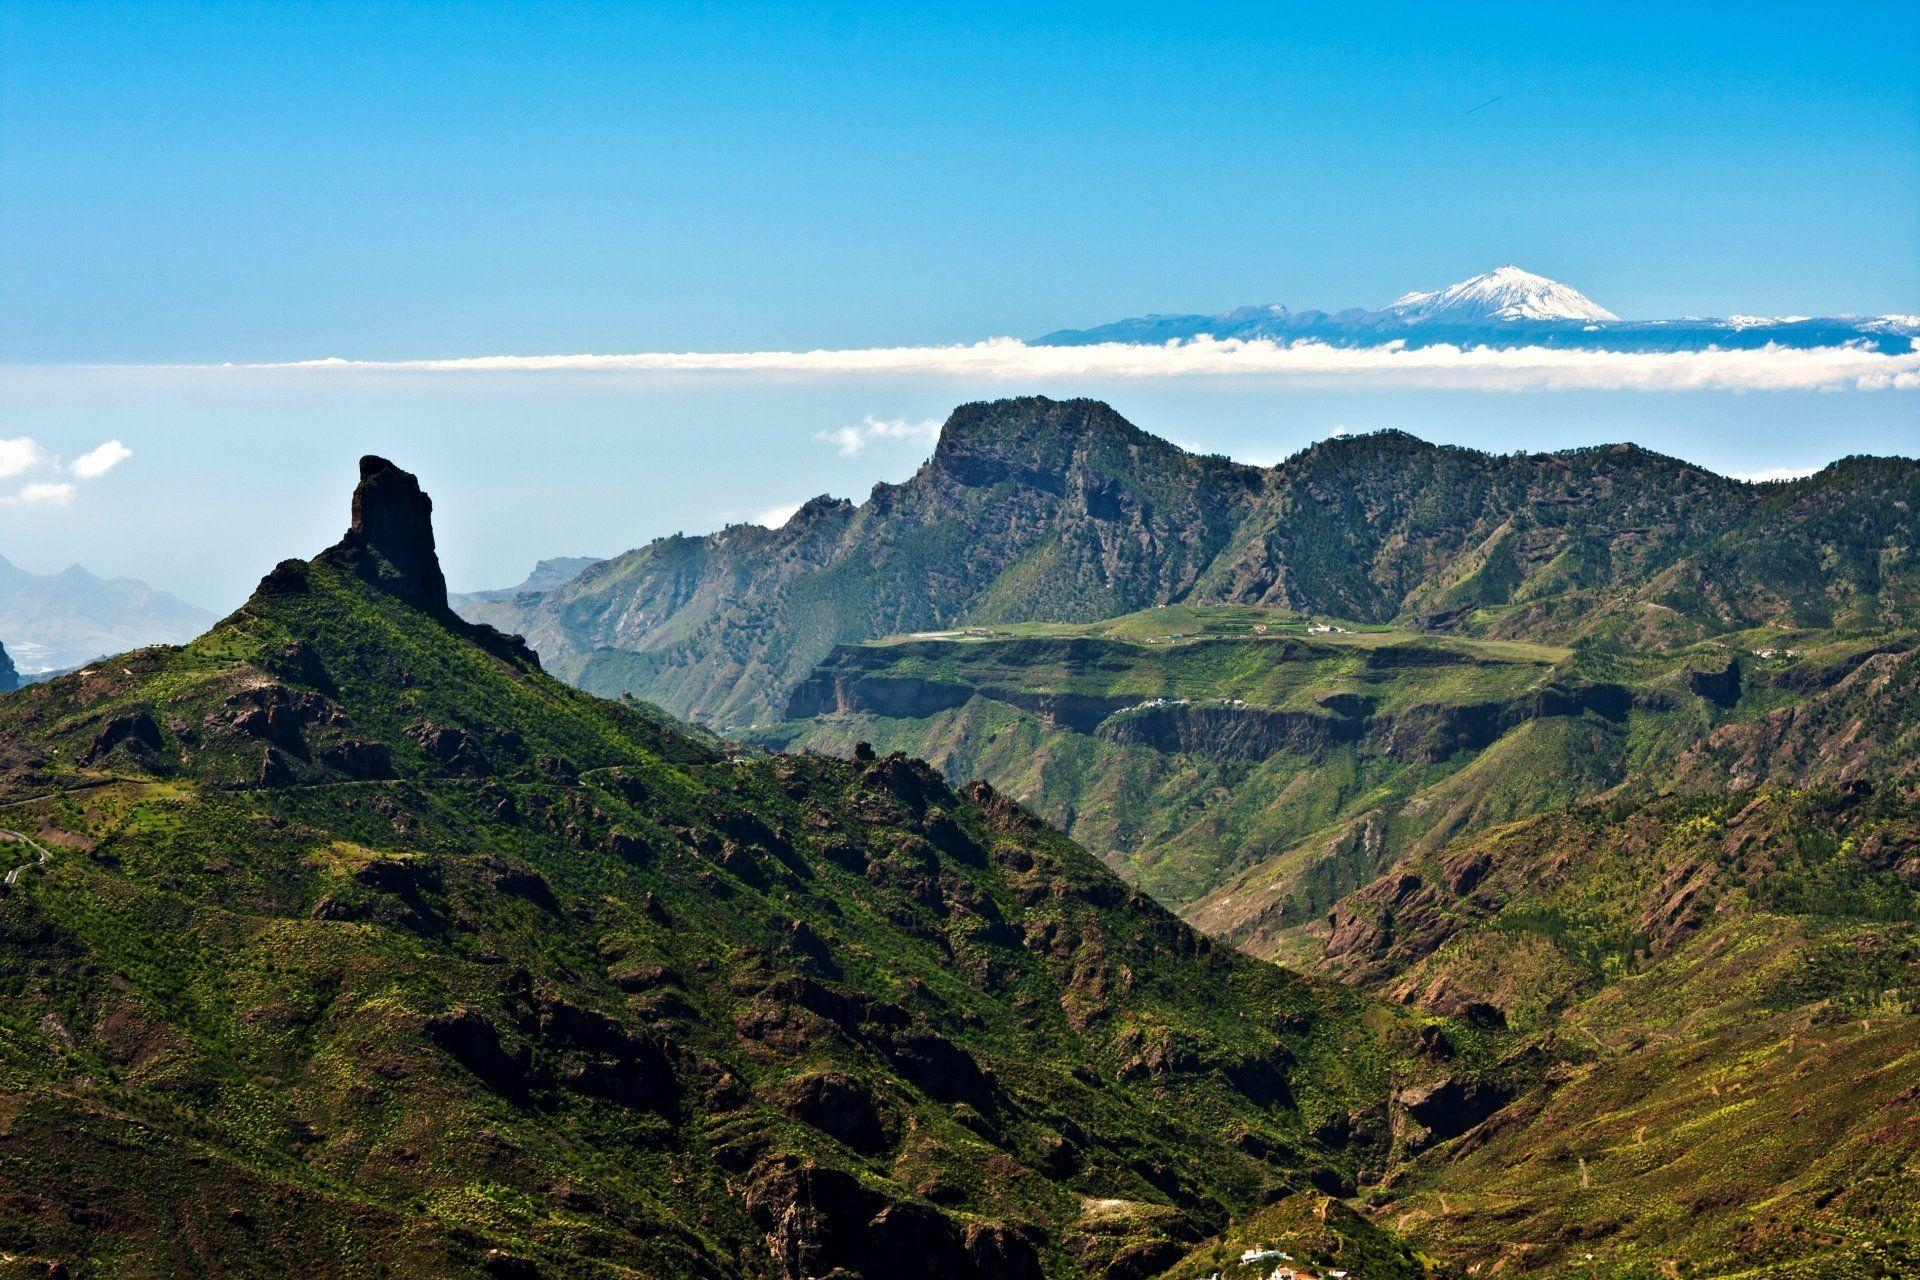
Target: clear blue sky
column 201, row 183
column 250, row 181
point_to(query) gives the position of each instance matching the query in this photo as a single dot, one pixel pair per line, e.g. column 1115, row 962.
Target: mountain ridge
column 1035, row 509
column 61, row 620
column 345, row 941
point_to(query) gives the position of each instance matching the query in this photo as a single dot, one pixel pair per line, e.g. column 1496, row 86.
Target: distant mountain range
column 1601, row 761
column 54, row 621
column 1504, row 307
column 548, row 574
column 1062, row 511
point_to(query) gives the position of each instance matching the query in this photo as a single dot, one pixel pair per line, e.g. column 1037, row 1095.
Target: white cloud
column 1774, row 473
column 776, row 516
column 44, row 494
column 852, row 441
column 23, row 455
column 98, row 461
column 1769, row 368
column 20, row 454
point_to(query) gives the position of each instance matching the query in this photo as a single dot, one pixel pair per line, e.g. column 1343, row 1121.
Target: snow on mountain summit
column 1505, row 294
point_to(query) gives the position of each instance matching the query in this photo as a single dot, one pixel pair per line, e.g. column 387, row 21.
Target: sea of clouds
column 1484, row 368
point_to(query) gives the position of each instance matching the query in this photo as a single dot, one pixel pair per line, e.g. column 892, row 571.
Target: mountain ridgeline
column 56, row 621
column 1604, row 760
column 1041, row 510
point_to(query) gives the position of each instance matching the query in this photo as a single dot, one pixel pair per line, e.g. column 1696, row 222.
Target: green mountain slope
column 1717, row 971
column 1249, row 767
column 1740, row 981
column 344, row 941
column 1037, row 510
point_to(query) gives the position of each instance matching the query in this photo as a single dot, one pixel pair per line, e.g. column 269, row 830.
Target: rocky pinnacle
column 393, row 521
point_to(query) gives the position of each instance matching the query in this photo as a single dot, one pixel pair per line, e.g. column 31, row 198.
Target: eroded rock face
column 1679, row 906
column 836, row 1104
column 136, row 731
column 9, row 678
column 393, row 521
column 1721, row 688
column 1384, row 926
column 1445, row 1109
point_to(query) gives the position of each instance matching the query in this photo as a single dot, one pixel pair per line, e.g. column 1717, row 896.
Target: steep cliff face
column 9, row 678
column 1035, row 509
column 1030, row 507
column 390, row 540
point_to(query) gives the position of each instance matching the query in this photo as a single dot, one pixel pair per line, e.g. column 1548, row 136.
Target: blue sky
column 203, row 183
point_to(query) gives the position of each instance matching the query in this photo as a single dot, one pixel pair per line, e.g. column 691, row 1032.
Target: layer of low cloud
column 853, row 441
column 1771, row 368
column 23, row 456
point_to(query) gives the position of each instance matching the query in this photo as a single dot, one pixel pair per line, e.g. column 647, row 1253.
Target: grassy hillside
column 1738, row 982
column 346, row 942
column 1194, row 745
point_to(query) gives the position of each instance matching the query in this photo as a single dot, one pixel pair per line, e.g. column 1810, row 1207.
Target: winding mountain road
column 13, row 876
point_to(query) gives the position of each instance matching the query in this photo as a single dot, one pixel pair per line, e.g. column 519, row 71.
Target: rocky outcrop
column 390, row 542
column 1443, row 1109
column 1720, row 687
column 1386, row 926
column 1429, row 734
column 1228, row 733
column 303, row 732
column 9, row 678
column 1678, row 907
column 136, row 731
column 546, row 1042
column 836, row 1104
column 826, row 692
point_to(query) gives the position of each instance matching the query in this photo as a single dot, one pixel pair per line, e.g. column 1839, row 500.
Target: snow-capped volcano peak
column 1505, row 294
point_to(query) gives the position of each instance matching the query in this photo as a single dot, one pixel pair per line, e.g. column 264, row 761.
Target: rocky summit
column 390, row 541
